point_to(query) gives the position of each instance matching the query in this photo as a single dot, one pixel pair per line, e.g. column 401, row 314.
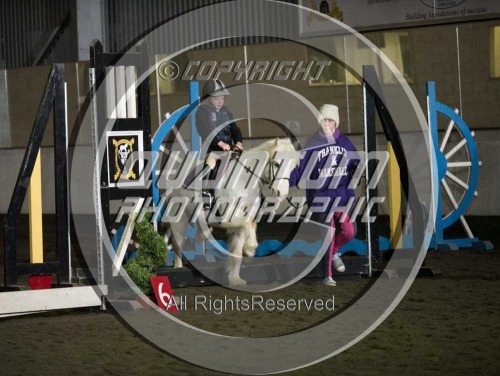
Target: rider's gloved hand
column 224, row 146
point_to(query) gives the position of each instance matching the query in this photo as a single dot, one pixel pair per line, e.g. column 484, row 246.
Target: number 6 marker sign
column 163, row 293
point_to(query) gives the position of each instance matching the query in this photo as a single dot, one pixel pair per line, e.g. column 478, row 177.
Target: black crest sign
column 124, row 168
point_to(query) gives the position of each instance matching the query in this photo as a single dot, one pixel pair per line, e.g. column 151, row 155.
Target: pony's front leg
column 177, row 239
column 236, row 242
column 177, row 246
column 251, row 243
column 177, row 258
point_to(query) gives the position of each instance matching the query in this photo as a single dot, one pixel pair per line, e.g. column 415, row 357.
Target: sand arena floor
column 446, row 325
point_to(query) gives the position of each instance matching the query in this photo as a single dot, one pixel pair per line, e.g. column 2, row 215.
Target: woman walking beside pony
column 327, row 179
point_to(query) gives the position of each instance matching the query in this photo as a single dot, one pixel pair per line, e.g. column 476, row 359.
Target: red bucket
column 39, row 282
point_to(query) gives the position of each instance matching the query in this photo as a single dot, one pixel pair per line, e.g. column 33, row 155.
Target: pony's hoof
column 236, row 281
column 249, row 252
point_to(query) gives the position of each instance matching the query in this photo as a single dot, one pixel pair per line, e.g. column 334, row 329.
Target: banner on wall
column 364, row 14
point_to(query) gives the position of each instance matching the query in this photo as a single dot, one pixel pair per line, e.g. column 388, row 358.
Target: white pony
column 238, row 191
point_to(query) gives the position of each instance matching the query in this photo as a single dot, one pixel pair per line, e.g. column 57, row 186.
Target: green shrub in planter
column 151, row 254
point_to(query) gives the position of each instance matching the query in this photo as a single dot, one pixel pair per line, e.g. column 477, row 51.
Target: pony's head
column 283, row 158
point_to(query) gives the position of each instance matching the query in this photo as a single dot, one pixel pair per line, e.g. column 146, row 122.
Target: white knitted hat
column 329, row 111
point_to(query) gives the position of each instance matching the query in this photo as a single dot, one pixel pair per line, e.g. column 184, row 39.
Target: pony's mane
column 283, row 144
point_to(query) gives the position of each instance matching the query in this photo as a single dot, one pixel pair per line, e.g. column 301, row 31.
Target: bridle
column 273, row 168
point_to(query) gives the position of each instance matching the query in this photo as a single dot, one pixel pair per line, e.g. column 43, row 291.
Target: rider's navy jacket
column 208, row 119
column 327, row 169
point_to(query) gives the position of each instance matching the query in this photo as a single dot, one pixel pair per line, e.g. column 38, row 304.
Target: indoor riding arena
column 206, row 187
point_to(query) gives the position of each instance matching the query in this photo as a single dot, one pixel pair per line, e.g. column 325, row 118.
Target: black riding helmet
column 215, row 88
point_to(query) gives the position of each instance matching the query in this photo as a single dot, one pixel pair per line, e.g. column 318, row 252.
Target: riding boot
column 208, row 194
column 207, row 197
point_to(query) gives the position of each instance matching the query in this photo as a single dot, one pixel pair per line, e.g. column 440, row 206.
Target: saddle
column 208, row 194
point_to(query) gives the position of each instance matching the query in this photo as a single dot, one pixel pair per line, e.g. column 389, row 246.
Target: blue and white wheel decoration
column 457, row 165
